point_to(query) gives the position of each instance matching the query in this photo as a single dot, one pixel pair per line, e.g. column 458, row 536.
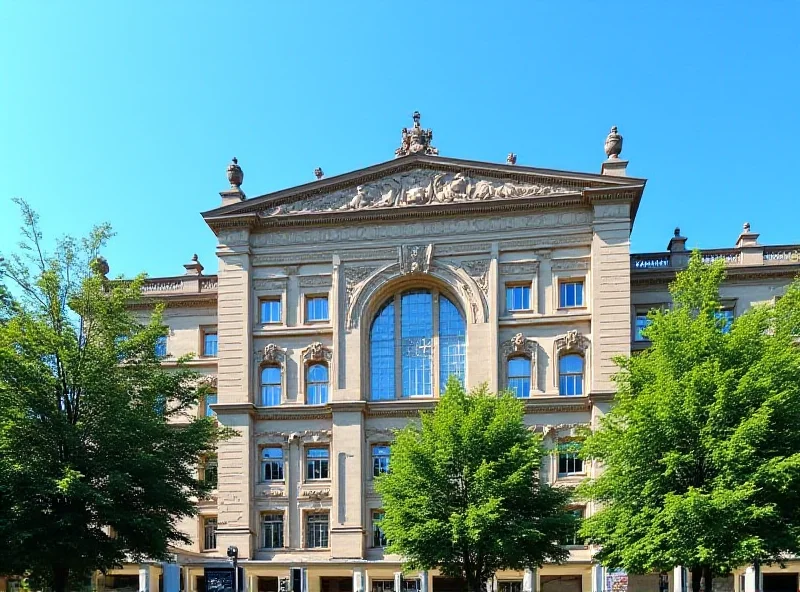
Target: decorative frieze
column 272, row 354
column 546, row 242
column 316, row 352
column 315, row 494
column 383, row 434
column 315, row 281
column 462, row 249
column 572, row 264
column 428, row 228
column 270, row 284
column 526, row 268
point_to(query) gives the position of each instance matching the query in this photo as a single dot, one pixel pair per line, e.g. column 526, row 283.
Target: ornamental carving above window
column 316, row 352
column 572, row 341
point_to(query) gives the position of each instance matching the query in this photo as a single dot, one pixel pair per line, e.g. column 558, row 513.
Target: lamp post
column 233, row 554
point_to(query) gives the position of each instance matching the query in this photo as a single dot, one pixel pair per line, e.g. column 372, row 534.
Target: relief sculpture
column 418, row 188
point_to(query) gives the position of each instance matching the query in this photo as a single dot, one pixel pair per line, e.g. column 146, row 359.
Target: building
column 341, row 306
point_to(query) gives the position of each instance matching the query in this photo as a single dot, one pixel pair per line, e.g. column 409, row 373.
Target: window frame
column 261, row 384
column 395, row 298
column 530, row 376
column 281, row 531
column 204, row 331
column 211, row 461
column 161, row 346
column 207, row 411
column 308, row 383
column 323, row 468
column 270, row 299
column 204, row 525
column 307, row 298
column 563, row 281
column 307, row 522
column 263, row 462
column 378, row 536
column 511, row 285
column 569, row 456
column 388, row 456
column 562, row 356
column 580, row 513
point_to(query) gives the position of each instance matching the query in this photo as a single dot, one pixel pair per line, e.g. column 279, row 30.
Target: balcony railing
column 773, row 255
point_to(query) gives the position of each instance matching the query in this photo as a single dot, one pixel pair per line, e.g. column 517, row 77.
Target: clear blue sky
column 129, row 111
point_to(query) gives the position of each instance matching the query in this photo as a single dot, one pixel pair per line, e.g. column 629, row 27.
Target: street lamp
column 233, row 554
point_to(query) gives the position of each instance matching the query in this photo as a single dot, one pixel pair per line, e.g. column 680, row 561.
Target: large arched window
column 271, row 386
column 317, row 384
column 570, row 375
column 417, row 341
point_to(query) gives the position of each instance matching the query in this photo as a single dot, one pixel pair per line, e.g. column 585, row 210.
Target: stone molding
column 317, row 352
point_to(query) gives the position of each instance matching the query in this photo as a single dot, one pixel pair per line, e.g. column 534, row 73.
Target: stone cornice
column 743, row 273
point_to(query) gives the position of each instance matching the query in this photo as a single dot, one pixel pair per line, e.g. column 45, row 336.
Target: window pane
column 271, row 311
column 378, row 538
column 727, row 316
column 161, row 346
column 642, row 322
column 382, row 354
column 210, row 399
column 417, row 343
column 272, row 463
column 380, row 460
column 210, row 344
column 452, row 343
column 518, row 298
column 317, row 453
column 570, row 369
column 519, row 376
column 273, row 531
column 571, row 294
column 317, row 384
column 317, row 308
column 271, row 386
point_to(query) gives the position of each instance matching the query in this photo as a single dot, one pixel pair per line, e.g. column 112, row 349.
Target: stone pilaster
column 347, row 443
column 609, row 291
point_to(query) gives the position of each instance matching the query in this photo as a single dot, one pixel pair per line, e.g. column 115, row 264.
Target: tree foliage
column 463, row 491
column 701, row 450
column 88, row 436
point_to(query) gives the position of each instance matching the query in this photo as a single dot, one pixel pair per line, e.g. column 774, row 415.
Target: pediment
column 419, row 187
column 420, row 182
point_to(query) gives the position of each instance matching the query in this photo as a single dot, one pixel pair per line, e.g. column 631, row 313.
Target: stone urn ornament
column 613, row 144
column 235, row 174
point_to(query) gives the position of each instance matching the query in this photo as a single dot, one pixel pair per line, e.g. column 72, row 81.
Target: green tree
column 701, row 451
column 463, row 492
column 88, row 436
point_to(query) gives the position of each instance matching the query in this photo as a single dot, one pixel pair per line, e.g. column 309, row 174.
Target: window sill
column 566, row 309
column 318, row 481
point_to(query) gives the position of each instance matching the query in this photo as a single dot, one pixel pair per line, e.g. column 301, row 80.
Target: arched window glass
column 452, row 343
column 417, row 340
column 519, row 376
column 317, row 384
column 570, row 375
column 382, row 353
column 271, row 386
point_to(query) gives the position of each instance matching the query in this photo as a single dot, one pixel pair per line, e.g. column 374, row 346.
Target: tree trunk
column 697, row 575
column 709, row 578
column 60, row 579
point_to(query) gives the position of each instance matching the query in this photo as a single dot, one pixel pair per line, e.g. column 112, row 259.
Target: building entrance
column 780, row 582
column 571, row 583
column 338, row 585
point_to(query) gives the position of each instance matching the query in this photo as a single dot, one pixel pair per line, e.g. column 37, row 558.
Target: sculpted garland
column 416, row 188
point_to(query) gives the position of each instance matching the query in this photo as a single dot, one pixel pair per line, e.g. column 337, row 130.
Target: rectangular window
column 570, row 294
column 316, row 308
column 210, row 472
column 317, row 464
column 272, row 527
column 518, row 298
column 572, row 538
column 378, row 538
column 317, row 531
column 569, row 463
column 271, row 310
column 726, row 314
column 642, row 322
column 380, row 460
column 209, row 533
column 161, row 346
column 209, row 400
column 382, row 585
column 411, row 585
column 210, row 343
column 272, row 463
column 509, row 586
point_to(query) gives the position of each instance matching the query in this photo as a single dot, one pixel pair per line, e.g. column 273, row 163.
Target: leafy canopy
column 94, row 432
column 701, row 451
column 463, row 491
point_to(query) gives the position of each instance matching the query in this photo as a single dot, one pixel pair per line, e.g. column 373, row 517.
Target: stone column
column 753, row 579
column 347, row 449
column 252, row 583
column 598, row 578
column 679, row 579
column 530, row 580
column 148, row 578
column 172, row 577
column 424, row 581
column 187, row 580
column 294, row 476
column 359, row 583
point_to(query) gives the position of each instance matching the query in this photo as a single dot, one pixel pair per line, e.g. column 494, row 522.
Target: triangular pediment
column 420, row 182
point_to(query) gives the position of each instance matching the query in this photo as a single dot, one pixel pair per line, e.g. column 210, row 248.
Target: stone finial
column 511, row 158
column 677, row 231
column 746, row 227
column 613, row 145
column 318, row 173
column 416, row 140
column 235, row 174
column 100, row 266
column 193, row 267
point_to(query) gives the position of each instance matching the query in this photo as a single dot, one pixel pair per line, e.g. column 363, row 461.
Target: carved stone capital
column 273, row 354
column 209, row 380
